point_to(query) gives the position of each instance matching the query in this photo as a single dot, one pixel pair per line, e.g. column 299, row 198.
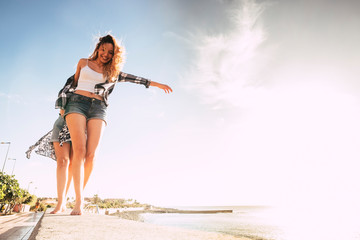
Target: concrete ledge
column 32, row 234
column 19, row 226
column 94, row 226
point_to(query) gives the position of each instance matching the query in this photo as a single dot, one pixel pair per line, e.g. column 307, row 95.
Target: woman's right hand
column 62, row 111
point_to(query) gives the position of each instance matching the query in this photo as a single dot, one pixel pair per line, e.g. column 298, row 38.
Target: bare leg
column 69, row 179
column 69, row 173
column 95, row 129
column 77, row 126
column 62, row 160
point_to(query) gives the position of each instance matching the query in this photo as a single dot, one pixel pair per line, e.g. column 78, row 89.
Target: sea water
column 262, row 223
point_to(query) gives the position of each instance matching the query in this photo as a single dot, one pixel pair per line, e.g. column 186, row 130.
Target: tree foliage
column 11, row 193
column 115, row 203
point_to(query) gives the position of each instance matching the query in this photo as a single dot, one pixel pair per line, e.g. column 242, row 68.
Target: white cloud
column 11, row 97
column 226, row 66
column 16, row 98
column 295, row 142
column 178, row 37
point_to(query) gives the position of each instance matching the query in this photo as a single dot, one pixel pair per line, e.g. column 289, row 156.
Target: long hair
column 113, row 67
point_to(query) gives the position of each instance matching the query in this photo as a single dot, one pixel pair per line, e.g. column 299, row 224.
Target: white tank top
column 88, row 79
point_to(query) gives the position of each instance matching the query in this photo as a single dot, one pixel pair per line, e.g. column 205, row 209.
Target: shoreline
column 135, row 215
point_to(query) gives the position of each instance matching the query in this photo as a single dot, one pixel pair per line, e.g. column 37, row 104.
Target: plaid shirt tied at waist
column 102, row 89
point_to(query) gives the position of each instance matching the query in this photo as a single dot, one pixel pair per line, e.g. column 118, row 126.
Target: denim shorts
column 58, row 125
column 91, row 108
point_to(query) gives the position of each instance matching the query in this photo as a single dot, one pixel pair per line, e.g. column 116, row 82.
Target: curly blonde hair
column 113, row 67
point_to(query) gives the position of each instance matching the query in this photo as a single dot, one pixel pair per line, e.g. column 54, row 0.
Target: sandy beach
column 94, row 226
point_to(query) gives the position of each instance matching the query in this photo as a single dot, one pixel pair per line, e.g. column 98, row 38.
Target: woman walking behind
column 63, row 164
column 49, row 146
column 85, row 111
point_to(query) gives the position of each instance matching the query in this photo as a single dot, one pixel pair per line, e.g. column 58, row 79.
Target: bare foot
column 58, row 208
column 77, row 210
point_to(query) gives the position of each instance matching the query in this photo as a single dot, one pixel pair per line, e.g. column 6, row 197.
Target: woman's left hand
column 164, row 87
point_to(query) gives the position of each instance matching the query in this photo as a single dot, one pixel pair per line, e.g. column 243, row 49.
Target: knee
column 90, row 157
column 79, row 151
column 63, row 162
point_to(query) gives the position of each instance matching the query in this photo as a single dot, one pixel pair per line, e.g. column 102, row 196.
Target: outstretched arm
column 125, row 77
column 164, row 87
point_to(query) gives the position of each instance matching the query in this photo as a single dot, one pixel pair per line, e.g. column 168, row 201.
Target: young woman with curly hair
column 85, row 99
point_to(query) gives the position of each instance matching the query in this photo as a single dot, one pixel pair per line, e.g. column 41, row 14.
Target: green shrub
column 10, row 192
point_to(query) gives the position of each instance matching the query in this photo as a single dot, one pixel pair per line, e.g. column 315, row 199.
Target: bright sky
column 265, row 108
